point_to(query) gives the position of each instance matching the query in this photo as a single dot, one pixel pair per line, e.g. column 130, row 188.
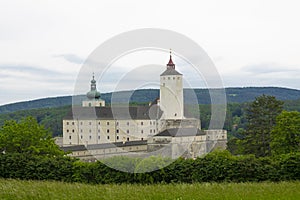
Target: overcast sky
column 44, row 43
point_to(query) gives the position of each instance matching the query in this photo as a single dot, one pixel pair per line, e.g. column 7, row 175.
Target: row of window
column 90, row 137
column 107, row 131
column 169, row 78
column 107, row 123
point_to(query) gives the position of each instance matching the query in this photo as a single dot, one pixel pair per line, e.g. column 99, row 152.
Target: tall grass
column 16, row 189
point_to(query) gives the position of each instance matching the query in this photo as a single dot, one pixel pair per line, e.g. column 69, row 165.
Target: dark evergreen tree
column 261, row 118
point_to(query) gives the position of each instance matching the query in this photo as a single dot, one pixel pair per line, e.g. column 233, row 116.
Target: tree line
column 235, row 122
column 267, row 149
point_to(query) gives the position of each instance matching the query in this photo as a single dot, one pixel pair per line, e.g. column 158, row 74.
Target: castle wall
column 76, row 132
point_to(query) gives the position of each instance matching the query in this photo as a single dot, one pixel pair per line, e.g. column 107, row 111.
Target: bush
column 218, row 166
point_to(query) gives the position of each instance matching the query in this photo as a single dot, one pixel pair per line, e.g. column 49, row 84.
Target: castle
column 94, row 130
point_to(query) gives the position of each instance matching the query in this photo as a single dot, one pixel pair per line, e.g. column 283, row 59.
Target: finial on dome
column 171, row 65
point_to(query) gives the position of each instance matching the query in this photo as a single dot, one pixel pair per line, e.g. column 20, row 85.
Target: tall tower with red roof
column 171, row 92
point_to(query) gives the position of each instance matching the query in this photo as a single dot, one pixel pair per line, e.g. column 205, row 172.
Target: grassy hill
column 237, row 95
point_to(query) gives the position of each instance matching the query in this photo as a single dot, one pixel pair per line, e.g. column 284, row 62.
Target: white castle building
column 94, row 130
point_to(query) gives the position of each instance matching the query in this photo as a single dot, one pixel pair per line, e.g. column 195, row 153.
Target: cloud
column 72, row 58
column 10, row 69
column 23, row 82
column 267, row 68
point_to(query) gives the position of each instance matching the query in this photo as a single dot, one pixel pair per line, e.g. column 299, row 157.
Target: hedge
column 218, row 166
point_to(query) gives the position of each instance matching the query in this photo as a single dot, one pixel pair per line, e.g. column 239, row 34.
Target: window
column 117, row 123
column 67, row 130
column 99, row 123
column 108, row 137
column 70, row 137
column 107, row 131
column 90, row 130
column 153, row 130
column 142, row 131
column 90, row 104
column 90, row 123
column 98, row 130
column 128, row 139
column 117, row 137
column 90, row 137
column 81, row 137
column 169, row 78
column 80, row 130
column 127, row 123
column 142, row 138
column 178, row 78
column 117, row 130
column 127, row 131
column 73, row 131
column 107, row 123
column 72, row 123
column 67, row 123
column 150, row 130
column 142, row 123
column 81, row 123
column 173, row 78
column 150, row 123
column 153, row 123
column 98, row 137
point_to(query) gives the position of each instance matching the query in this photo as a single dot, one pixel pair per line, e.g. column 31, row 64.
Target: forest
column 233, row 95
column 264, row 145
column 235, row 119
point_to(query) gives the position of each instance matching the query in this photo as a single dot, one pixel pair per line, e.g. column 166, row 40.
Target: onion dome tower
column 93, row 96
column 93, row 93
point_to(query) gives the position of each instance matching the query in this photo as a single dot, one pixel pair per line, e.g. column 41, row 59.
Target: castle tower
column 171, row 92
column 93, row 96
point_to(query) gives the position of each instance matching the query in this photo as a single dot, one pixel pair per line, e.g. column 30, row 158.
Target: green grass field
column 16, row 189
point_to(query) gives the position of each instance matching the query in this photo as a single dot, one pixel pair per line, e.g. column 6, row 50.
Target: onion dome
column 93, row 93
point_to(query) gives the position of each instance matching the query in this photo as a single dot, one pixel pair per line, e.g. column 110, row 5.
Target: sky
column 43, row 44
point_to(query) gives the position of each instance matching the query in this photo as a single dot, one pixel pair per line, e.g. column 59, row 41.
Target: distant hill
column 238, row 95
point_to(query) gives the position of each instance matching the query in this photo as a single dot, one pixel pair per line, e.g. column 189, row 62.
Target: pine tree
column 261, row 115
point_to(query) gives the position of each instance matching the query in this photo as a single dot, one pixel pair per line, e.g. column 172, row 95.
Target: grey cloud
column 27, row 69
column 71, row 58
column 266, row 68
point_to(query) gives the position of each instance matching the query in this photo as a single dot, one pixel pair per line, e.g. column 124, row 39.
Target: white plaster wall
column 93, row 103
column 106, row 131
column 171, row 96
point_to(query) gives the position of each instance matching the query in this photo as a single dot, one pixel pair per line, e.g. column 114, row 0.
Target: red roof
column 171, row 64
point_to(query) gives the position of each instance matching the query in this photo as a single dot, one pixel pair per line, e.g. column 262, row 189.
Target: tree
column 28, row 137
column 261, row 118
column 286, row 134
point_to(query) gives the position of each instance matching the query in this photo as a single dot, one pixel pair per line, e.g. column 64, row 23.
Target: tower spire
column 170, row 64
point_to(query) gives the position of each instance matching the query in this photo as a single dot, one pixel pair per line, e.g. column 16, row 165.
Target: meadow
column 20, row 189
